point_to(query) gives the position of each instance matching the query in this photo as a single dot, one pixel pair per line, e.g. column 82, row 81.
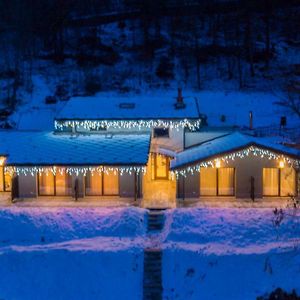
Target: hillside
column 144, row 46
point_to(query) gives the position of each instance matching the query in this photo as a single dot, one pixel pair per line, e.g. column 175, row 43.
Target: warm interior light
column 281, row 164
column 2, row 160
column 218, row 163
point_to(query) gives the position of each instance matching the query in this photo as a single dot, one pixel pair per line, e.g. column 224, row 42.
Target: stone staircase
column 152, row 283
column 152, row 274
column 156, row 220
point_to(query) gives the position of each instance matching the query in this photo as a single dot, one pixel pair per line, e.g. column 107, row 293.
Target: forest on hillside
column 131, row 45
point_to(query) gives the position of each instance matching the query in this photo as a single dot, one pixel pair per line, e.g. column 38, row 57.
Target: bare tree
column 291, row 100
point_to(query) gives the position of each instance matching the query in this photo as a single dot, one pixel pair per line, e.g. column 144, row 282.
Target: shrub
column 280, row 294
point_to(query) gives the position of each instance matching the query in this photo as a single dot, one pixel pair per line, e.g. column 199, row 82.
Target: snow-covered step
column 156, row 220
column 152, row 283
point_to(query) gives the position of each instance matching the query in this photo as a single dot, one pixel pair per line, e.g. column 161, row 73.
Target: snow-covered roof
column 226, row 144
column 47, row 148
column 127, row 108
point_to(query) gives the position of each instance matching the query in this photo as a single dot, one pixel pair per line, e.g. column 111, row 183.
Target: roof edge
column 181, row 166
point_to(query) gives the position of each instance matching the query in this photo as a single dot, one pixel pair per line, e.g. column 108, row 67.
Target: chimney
column 179, row 100
column 250, row 119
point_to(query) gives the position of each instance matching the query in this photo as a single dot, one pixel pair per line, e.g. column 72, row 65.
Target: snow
column 192, row 275
column 38, row 148
column 34, row 114
column 81, row 253
column 107, row 106
column 97, row 253
column 29, row 225
column 230, row 254
column 57, row 274
column 235, row 106
column 228, row 143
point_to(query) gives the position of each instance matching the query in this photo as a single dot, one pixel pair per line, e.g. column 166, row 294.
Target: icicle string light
column 121, row 124
column 73, row 170
column 255, row 151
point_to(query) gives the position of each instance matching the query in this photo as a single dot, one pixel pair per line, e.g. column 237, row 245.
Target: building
column 152, row 152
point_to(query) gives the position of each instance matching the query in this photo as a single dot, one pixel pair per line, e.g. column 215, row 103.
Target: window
column 104, row 183
column 59, row 184
column 63, row 184
column 226, row 181
column 287, row 182
column 208, row 182
column 270, row 181
column 93, row 184
column 5, row 180
column 161, row 132
column 111, row 183
column 46, row 184
column 217, row 181
column 160, row 166
column 279, row 182
column 127, row 105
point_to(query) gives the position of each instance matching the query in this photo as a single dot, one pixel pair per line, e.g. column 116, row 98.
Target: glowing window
column 63, row 184
column 270, row 181
column 1, row 179
column 226, row 181
column 161, row 166
column 5, row 180
column 46, row 183
column 93, row 184
column 287, row 182
column 217, row 182
column 111, row 183
column 208, row 182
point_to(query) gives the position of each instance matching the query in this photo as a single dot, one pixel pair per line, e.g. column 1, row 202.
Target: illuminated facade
column 156, row 154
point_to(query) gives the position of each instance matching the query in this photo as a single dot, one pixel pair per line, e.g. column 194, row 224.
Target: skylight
column 127, row 105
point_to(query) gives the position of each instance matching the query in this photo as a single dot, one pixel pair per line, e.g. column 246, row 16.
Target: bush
column 280, row 294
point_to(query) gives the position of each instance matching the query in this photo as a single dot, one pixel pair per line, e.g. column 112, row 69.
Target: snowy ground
column 230, row 253
column 97, row 253
column 235, row 106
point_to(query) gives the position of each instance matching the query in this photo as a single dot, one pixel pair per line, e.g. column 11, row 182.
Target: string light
column 74, row 170
column 255, row 151
column 121, row 124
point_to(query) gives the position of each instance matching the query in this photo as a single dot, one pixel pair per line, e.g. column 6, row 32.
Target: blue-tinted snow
column 235, row 106
column 47, row 148
column 106, row 106
column 34, row 114
column 225, row 144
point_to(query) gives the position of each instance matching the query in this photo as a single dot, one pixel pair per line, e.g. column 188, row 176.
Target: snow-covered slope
column 97, row 253
column 221, row 108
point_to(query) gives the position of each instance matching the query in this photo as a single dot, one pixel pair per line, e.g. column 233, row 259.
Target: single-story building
column 237, row 165
column 152, row 152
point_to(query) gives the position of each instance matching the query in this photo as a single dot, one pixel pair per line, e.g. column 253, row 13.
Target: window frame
column 102, row 187
column 54, row 187
column 3, row 181
column 217, row 192
column 279, row 170
column 166, row 136
column 155, row 167
column 233, row 186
